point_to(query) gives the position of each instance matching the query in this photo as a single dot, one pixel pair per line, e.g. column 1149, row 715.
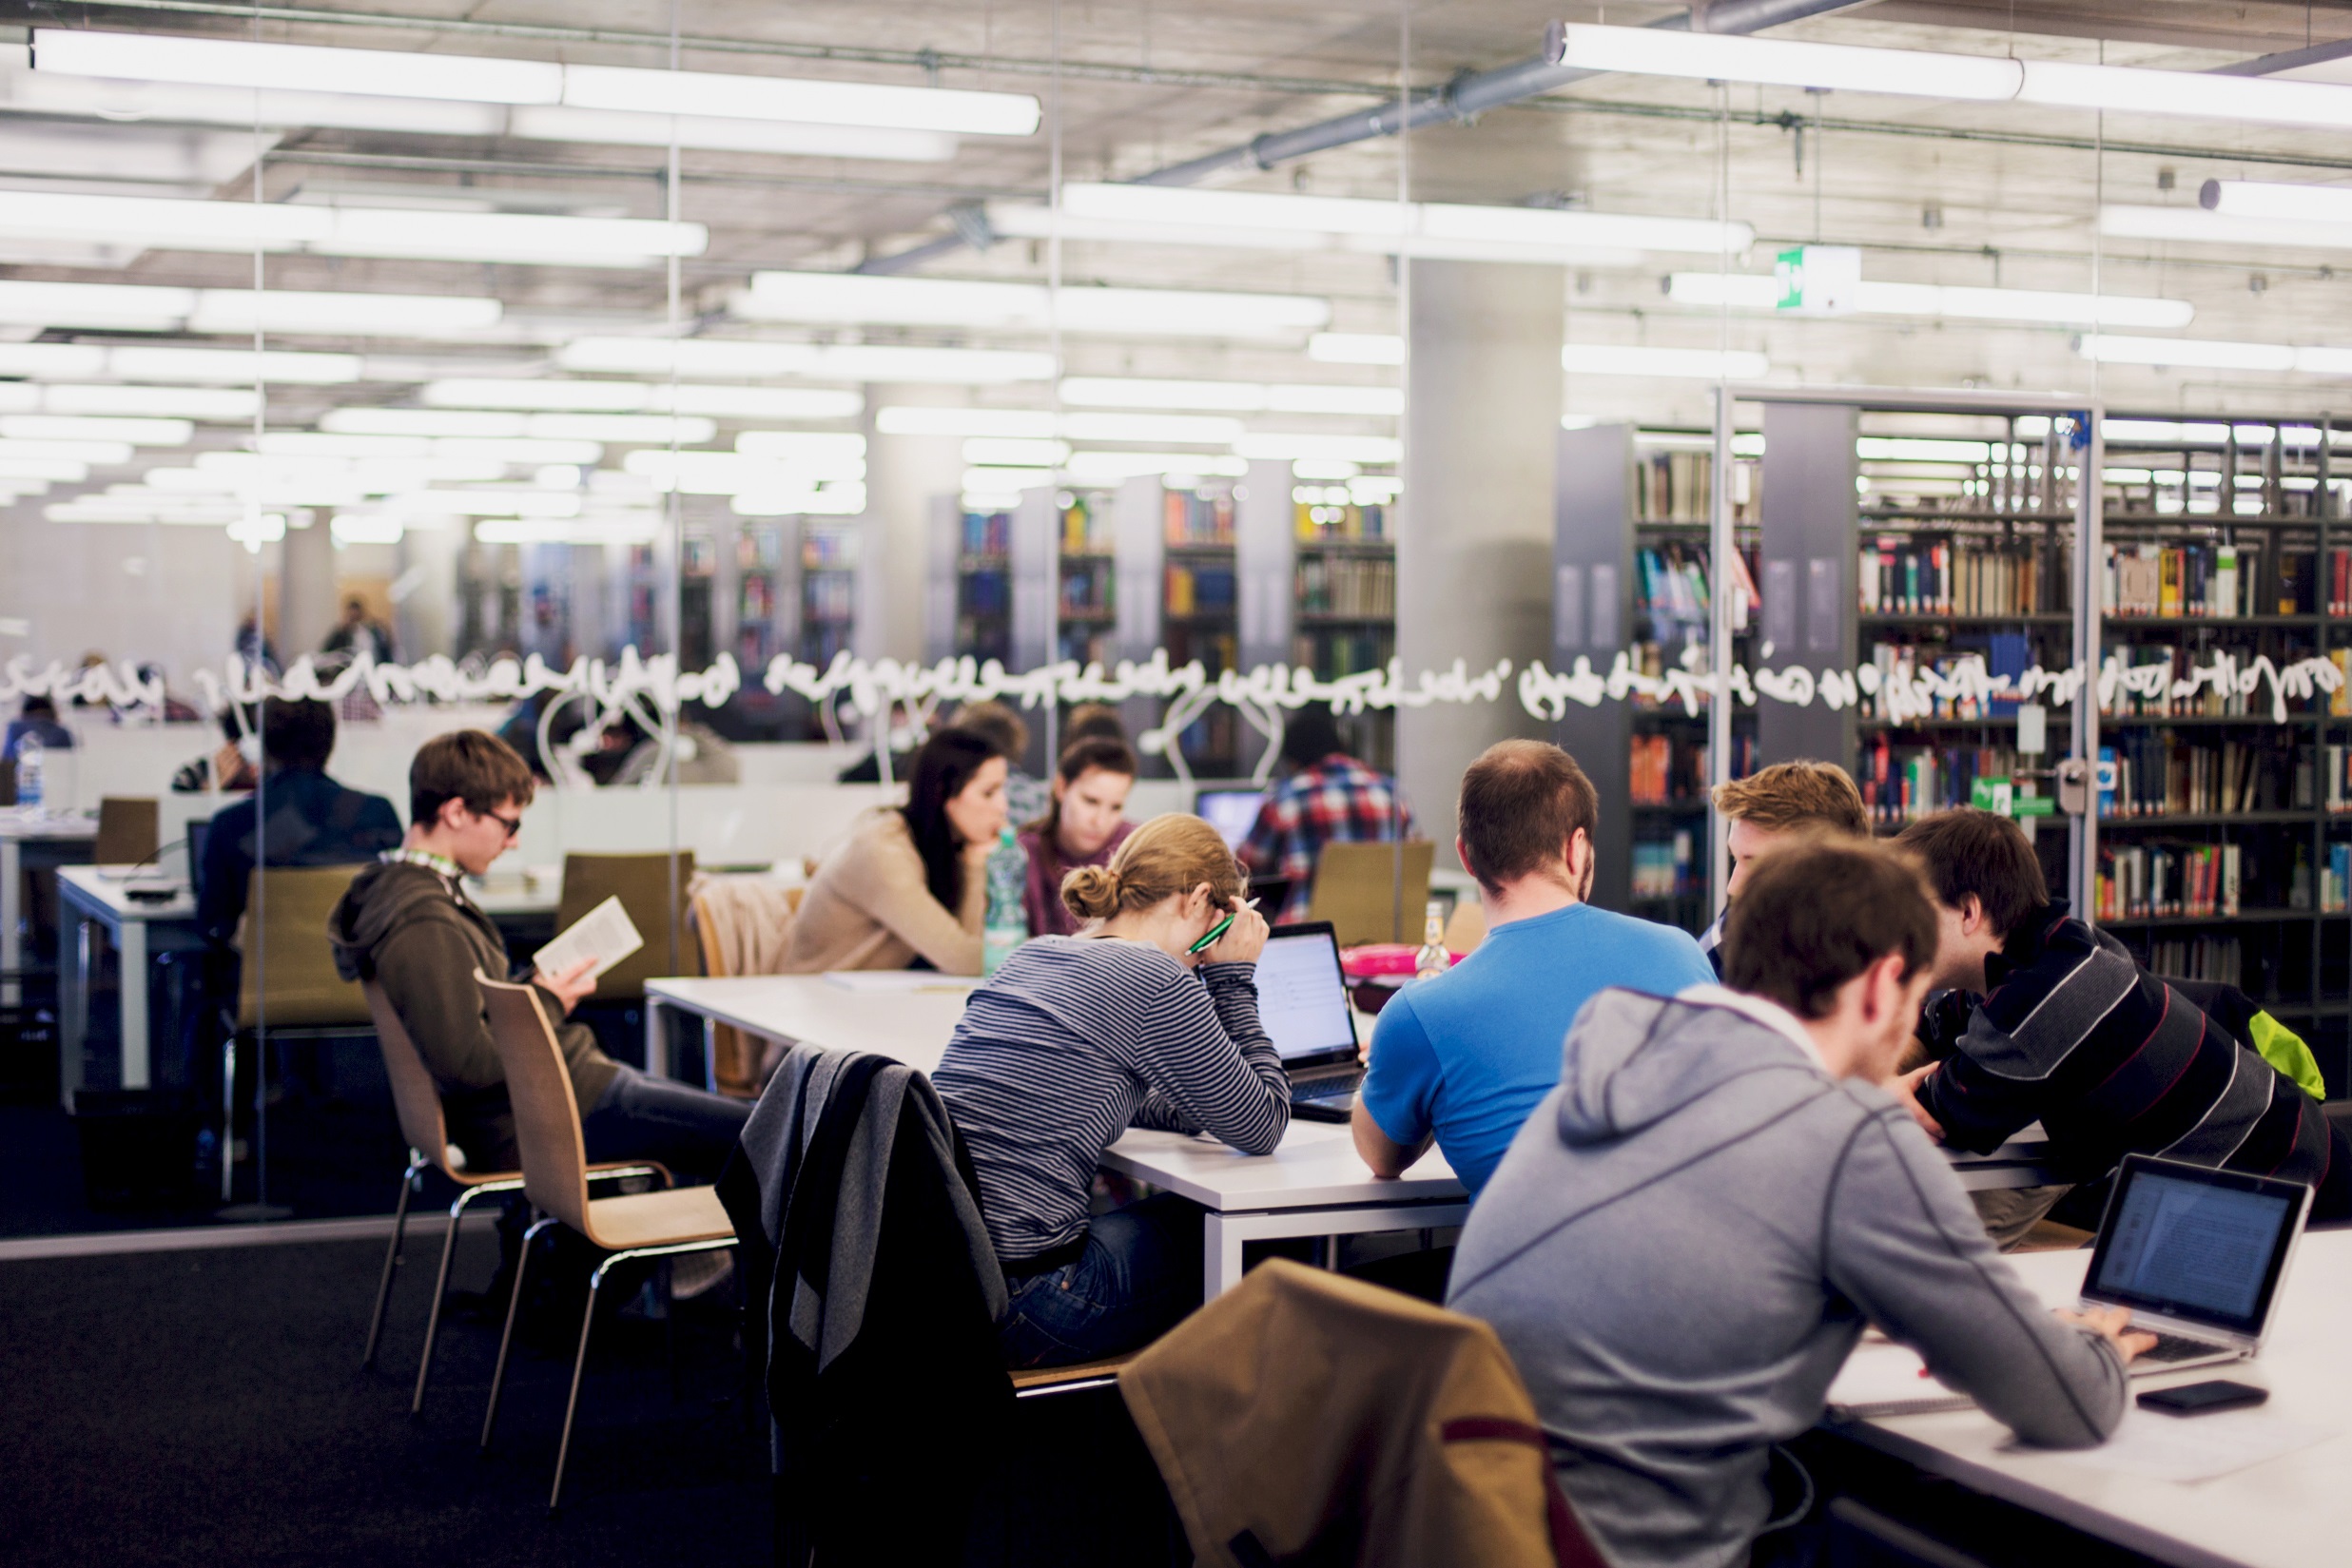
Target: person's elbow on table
column 1388, row 1159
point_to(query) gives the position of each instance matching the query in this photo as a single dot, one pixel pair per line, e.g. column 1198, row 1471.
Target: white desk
column 2290, row 1512
column 62, row 836
column 93, row 896
column 1314, row 1184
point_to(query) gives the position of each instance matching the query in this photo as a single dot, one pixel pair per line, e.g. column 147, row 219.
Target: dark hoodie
column 1685, row 1241
column 410, row 929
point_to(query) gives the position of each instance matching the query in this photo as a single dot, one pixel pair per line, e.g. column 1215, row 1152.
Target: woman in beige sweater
column 912, row 881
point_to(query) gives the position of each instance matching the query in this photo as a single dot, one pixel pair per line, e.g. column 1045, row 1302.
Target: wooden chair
column 731, row 1058
column 286, row 989
column 127, row 833
column 547, row 1127
column 419, row 1102
column 1466, row 927
column 651, row 887
column 1356, row 890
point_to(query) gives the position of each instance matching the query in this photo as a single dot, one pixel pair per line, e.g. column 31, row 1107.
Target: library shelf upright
column 1343, row 602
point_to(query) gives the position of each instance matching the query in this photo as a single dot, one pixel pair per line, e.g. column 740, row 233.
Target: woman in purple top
column 1085, row 824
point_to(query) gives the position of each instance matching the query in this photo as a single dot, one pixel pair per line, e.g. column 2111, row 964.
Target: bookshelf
column 1342, row 602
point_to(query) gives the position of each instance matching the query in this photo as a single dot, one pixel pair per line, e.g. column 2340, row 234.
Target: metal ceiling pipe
column 1464, row 97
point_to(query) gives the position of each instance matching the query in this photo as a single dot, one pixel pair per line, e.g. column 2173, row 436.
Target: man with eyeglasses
column 408, row 925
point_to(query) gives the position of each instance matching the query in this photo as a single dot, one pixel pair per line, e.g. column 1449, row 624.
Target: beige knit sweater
column 869, row 908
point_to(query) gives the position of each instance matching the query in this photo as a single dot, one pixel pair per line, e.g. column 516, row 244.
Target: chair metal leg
column 229, row 1118
column 497, row 1378
column 440, row 1294
column 392, row 1258
column 580, row 1365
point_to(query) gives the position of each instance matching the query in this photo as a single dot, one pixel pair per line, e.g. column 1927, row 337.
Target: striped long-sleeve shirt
column 1077, row 1039
column 2112, row 1061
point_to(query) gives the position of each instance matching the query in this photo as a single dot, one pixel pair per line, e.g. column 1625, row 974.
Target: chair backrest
column 648, row 892
column 1356, row 890
column 414, row 1094
column 127, row 831
column 288, row 976
column 1467, row 928
column 538, row 1087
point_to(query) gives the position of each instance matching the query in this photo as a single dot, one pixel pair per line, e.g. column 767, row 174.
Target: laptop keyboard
column 1337, row 1088
column 2175, row 1348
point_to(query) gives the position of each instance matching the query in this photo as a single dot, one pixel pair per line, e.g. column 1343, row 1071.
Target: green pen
column 1209, row 937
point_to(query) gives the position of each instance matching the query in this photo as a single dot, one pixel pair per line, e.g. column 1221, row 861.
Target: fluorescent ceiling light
column 1922, row 449
column 1208, row 429
column 626, row 129
column 842, row 500
column 517, row 450
column 697, row 356
column 41, row 449
column 2197, row 353
column 903, row 420
column 617, row 529
column 1127, row 464
column 166, row 404
column 1762, row 291
column 1037, row 424
column 642, row 396
column 852, row 297
column 63, row 469
column 143, row 308
column 733, row 472
column 1013, row 452
column 1356, row 449
column 825, row 449
column 224, row 364
column 1356, row 348
column 1780, row 62
column 1006, row 481
column 1695, row 363
column 2197, row 226
column 2276, row 199
column 622, row 429
column 386, row 73
column 1323, row 468
column 145, row 433
column 1234, row 396
column 172, row 224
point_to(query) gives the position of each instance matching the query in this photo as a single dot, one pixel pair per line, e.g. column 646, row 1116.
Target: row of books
column 2336, row 777
column 988, row 592
column 1189, row 518
column 1672, row 589
column 2005, row 654
column 2335, row 881
column 832, row 596
column 2200, row 580
column 2215, row 959
column 1088, row 588
column 2160, row 773
column 1665, row 773
column 1910, row 576
column 1665, row 867
column 824, row 549
column 1316, row 525
column 1902, row 782
column 987, row 533
column 1332, row 653
column 1086, row 529
column 2206, row 701
column 1346, row 585
column 2138, row 880
column 1199, row 589
column 1085, row 645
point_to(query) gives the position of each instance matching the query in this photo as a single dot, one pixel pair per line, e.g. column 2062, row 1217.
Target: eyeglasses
column 514, row 826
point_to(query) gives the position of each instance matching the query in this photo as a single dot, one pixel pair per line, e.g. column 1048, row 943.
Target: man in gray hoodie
column 1691, row 1232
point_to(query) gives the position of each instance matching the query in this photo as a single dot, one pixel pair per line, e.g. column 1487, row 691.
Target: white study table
column 2293, row 1511
column 1314, row 1184
column 96, row 896
column 19, row 827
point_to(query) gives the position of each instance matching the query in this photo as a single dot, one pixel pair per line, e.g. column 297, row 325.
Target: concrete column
column 1474, row 556
column 307, row 608
column 905, row 476
column 428, row 615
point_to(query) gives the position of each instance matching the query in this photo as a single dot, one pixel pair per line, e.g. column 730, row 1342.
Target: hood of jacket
column 382, row 898
column 1632, row 1060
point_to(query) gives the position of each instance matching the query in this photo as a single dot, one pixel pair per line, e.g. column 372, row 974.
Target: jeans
column 1139, row 1274
column 637, row 1117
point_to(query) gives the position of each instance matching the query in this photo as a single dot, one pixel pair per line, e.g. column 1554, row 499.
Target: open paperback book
column 1882, row 1378
column 605, row 934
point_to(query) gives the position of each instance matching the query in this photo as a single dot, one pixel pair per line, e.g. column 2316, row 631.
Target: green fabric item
column 2285, row 1050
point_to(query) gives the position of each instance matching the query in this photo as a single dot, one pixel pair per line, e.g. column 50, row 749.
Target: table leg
column 73, row 1000
column 11, row 911
column 656, row 1037
column 1220, row 1260
column 711, row 1053
column 131, row 951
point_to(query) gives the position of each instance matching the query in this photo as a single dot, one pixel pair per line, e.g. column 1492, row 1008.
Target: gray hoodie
column 1684, row 1242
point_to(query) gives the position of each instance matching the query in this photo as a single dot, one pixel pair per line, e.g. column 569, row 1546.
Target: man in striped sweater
column 2049, row 1020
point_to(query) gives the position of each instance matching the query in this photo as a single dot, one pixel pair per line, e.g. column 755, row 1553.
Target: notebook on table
column 1302, row 1001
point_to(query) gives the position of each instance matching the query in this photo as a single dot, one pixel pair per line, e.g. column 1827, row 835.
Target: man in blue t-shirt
column 1463, row 1058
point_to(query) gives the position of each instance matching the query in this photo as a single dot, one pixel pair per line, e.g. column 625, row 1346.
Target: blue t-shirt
column 1468, row 1054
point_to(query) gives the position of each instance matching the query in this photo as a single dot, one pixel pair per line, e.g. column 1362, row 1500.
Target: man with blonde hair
column 1770, row 809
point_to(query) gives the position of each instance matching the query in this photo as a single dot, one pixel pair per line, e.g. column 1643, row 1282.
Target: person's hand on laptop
column 2112, row 1324
column 570, row 986
column 1906, row 1089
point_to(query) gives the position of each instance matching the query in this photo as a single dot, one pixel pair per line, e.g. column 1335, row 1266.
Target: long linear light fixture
column 233, row 63
column 2244, row 222
column 722, row 403
column 1920, row 73
column 851, row 297
column 99, row 361
column 706, row 356
column 1704, row 364
column 1760, row 291
column 1438, row 230
column 1228, row 396
column 175, row 404
column 148, row 307
column 165, row 222
column 2212, row 354
column 494, row 425
column 1040, row 424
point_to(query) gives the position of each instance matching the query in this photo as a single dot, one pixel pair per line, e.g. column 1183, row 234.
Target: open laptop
column 1232, row 812
column 1302, row 1000
column 2198, row 1255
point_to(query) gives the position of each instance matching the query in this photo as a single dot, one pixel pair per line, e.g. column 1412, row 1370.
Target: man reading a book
column 407, row 925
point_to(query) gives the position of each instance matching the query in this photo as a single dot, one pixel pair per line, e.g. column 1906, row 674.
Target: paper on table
column 899, row 980
column 2186, row 1448
column 605, row 934
column 1885, row 1379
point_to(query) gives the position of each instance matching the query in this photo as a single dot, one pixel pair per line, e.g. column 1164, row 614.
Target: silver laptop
column 2198, row 1255
column 1302, row 1000
column 1232, row 812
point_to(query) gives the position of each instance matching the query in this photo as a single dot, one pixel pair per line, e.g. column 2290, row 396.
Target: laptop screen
column 1232, row 812
column 1302, row 998
column 2205, row 1246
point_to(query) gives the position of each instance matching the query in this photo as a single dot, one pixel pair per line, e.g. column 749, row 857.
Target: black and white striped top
column 1077, row 1039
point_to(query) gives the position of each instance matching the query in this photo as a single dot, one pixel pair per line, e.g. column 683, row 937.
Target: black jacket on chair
column 876, row 1291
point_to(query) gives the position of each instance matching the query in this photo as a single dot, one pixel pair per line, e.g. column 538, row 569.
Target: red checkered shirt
column 1338, row 800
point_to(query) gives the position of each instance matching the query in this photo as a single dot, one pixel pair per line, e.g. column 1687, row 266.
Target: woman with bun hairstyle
column 1084, row 826
column 1077, row 1039
column 912, row 882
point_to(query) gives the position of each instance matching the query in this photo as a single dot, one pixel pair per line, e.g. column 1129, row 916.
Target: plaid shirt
column 1339, row 800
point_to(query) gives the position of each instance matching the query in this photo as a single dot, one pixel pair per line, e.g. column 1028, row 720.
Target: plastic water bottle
column 29, row 766
column 1008, row 918
column 1434, row 959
